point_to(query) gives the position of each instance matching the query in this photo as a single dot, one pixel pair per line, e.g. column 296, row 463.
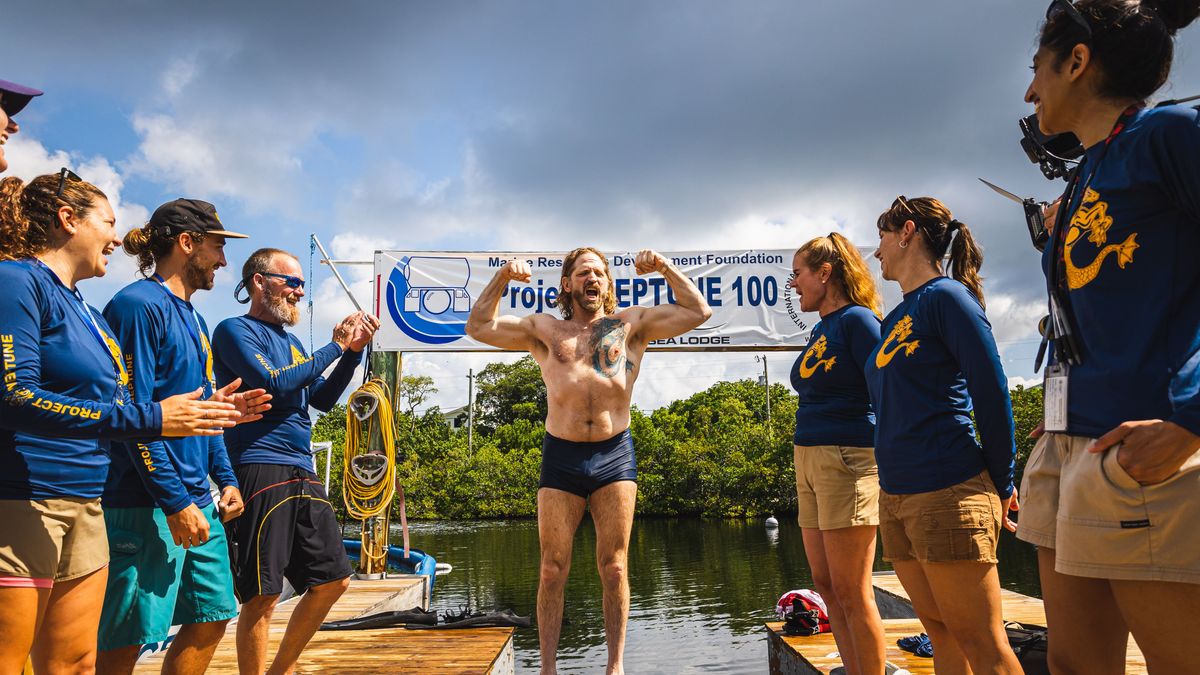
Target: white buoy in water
column 772, row 522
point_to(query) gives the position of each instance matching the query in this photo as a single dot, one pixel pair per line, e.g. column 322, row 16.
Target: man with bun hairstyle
column 289, row 530
column 13, row 98
column 590, row 360
column 169, row 559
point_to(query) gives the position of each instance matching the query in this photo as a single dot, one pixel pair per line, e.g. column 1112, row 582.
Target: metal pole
column 767, row 379
column 337, row 274
column 471, row 413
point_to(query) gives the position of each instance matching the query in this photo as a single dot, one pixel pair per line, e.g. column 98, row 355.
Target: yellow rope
column 364, row 502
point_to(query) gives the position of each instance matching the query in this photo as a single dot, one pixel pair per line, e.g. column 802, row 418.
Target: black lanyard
column 1059, row 262
column 1066, row 344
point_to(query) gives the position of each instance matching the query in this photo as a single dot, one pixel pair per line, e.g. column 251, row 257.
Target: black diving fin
column 416, row 615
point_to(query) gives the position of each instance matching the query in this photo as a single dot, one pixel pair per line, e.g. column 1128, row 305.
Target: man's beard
column 281, row 310
column 586, row 304
column 197, row 276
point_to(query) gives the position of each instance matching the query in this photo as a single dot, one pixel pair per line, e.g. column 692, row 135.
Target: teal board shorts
column 154, row 584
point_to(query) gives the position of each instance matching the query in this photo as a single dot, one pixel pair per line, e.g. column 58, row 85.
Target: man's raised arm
column 667, row 321
column 488, row 326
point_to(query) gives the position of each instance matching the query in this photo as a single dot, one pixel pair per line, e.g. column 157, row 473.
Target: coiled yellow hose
column 364, row 502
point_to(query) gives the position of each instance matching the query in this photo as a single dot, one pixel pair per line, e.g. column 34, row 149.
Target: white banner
column 423, row 298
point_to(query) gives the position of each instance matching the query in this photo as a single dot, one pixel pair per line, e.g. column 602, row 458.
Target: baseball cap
column 14, row 97
column 191, row 215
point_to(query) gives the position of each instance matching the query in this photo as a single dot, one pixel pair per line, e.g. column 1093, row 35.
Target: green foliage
column 713, row 454
column 508, row 392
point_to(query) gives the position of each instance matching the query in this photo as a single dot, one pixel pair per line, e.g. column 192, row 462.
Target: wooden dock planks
column 807, row 655
column 474, row 651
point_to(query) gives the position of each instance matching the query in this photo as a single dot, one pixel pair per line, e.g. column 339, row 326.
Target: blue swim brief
column 581, row 468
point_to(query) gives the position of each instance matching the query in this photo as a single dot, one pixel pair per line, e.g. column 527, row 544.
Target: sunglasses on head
column 1067, row 7
column 904, row 202
column 63, row 175
column 291, row 281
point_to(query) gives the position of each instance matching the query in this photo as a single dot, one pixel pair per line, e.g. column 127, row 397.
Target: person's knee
column 823, row 584
column 979, row 646
column 613, row 572
column 260, row 604
column 331, row 588
column 851, row 595
column 554, row 568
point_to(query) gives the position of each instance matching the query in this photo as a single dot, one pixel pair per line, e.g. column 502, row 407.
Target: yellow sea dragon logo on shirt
column 818, row 350
column 1095, row 222
column 900, row 332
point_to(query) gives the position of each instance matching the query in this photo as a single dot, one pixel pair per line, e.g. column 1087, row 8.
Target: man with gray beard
column 301, row 542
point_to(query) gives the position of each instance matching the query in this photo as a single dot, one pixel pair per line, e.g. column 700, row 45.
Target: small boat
column 417, row 562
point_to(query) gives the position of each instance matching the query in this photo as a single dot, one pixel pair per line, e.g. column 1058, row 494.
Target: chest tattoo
column 607, row 344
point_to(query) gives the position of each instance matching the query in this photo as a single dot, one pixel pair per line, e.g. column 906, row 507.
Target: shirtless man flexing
column 590, row 360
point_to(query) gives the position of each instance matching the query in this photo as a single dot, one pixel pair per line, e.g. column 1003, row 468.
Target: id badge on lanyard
column 1055, row 389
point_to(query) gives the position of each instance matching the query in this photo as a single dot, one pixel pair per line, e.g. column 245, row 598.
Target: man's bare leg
column 119, row 661
column 559, row 514
column 193, row 648
column 612, row 510
column 306, row 619
column 253, row 631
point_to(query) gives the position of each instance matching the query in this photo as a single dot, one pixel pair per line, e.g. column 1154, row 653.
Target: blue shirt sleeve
column 862, row 334
column 324, row 392
column 242, row 353
column 139, row 332
column 30, row 408
column 219, row 466
column 967, row 334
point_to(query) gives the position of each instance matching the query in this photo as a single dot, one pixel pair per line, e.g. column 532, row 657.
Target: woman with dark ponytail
column 65, row 397
column 943, row 496
column 837, row 483
column 1112, row 489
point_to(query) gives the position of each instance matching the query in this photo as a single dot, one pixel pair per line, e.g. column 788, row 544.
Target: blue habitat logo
column 427, row 298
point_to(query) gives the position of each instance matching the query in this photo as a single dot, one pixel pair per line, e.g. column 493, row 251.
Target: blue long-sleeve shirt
column 835, row 406
column 1133, row 280
column 64, row 392
column 938, row 362
column 267, row 356
column 166, row 349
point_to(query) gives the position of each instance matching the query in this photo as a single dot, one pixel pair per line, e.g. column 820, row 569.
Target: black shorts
column 581, row 468
column 288, row 531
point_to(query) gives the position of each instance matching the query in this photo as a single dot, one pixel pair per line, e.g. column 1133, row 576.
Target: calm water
column 701, row 590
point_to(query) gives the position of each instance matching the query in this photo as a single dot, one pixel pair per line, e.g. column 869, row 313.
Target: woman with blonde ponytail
column 66, row 395
column 837, row 484
column 943, row 496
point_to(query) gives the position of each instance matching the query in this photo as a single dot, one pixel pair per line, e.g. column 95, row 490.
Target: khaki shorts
column 48, row 540
column 960, row 523
column 836, row 486
column 1101, row 523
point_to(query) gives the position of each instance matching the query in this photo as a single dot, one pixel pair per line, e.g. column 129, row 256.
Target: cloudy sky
column 542, row 126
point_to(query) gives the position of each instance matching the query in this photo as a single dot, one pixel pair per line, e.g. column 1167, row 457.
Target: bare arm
column 665, row 321
column 488, row 326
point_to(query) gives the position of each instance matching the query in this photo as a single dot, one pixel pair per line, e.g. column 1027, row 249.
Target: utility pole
column 470, row 413
column 766, row 381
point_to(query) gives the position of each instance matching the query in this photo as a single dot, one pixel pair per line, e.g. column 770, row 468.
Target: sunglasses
column 904, row 202
column 291, row 281
column 63, row 175
column 1067, row 7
